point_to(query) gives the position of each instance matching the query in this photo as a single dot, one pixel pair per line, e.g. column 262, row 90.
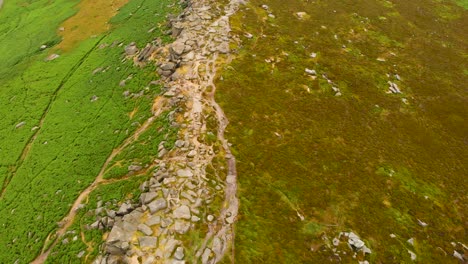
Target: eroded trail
column 67, row 221
column 192, row 190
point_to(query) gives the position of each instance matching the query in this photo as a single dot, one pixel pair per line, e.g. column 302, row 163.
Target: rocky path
column 189, row 193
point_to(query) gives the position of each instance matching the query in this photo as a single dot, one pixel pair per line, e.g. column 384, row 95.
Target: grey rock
column 145, row 229
column 217, row 246
column 206, row 255
column 148, row 241
column 195, row 218
column 185, row 173
column 157, row 205
column 52, row 57
column 124, row 209
column 117, row 234
column 170, row 66
column 177, row 48
column 154, row 220
column 210, row 218
column 131, row 49
column 179, row 143
column 192, row 154
column 181, row 226
column 146, row 198
column 21, row 124
column 134, row 167
column 311, row 72
column 81, row 254
column 165, row 222
column 179, row 253
column 182, row 212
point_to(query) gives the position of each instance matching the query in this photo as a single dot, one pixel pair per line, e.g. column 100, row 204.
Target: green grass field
column 64, row 136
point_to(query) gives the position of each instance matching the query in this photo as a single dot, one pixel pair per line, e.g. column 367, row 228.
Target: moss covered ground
column 376, row 163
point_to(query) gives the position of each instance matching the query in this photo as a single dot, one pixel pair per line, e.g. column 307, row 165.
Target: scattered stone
column 206, row 255
column 134, row 167
column 145, row 229
column 21, row 124
column 94, row 98
column 192, row 154
column 265, row 7
column 210, row 218
column 165, row 222
column 185, row 173
column 195, row 218
column 411, row 241
column 81, row 254
column 177, row 48
column 43, row 47
column 459, row 256
column 146, row 198
column 170, row 66
column 154, row 220
column 217, row 246
column 182, row 212
column 179, row 253
column 355, row 242
column 124, row 209
column 148, row 241
column 131, row 49
column 52, row 57
column 302, row 15
column 412, row 254
column 311, row 72
column 181, row 226
column 421, row 223
column 157, row 205
column 313, row 55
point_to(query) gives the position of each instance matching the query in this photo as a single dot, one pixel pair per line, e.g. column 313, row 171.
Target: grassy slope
column 77, row 134
column 364, row 161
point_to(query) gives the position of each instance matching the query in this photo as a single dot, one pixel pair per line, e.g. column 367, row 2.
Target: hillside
column 203, row 131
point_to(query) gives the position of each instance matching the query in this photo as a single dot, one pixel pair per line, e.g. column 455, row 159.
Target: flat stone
column 165, row 222
column 210, row 218
column 311, row 72
column 179, row 253
column 81, row 254
column 131, row 49
column 21, row 124
column 181, row 226
column 146, row 198
column 192, row 154
column 184, row 173
column 178, row 48
column 206, row 255
column 145, row 229
column 182, row 212
column 217, row 246
column 52, row 57
column 148, row 241
column 124, row 209
column 154, row 220
column 134, row 167
column 157, row 205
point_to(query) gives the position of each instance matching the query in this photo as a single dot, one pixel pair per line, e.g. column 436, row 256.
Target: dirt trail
column 67, row 221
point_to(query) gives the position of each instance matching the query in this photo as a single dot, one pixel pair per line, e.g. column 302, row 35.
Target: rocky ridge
column 176, row 200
